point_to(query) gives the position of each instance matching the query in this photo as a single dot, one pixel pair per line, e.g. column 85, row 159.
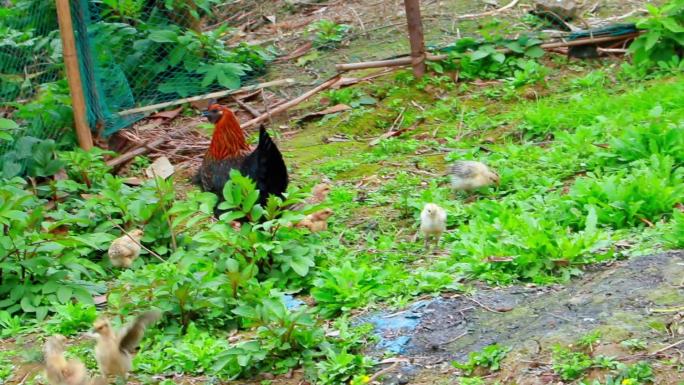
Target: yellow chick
column 467, row 175
column 432, row 223
column 58, row 370
column 114, row 350
column 317, row 221
column 124, row 250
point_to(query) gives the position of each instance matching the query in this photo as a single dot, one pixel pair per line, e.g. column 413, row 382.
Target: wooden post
column 66, row 30
column 415, row 29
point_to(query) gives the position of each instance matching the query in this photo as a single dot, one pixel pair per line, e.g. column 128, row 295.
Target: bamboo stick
column 547, row 46
column 66, row 30
column 327, row 84
column 212, row 95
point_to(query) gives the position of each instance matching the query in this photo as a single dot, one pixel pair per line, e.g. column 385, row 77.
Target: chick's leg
column 427, row 242
column 437, row 237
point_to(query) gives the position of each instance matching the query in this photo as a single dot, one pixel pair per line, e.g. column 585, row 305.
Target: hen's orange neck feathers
column 228, row 139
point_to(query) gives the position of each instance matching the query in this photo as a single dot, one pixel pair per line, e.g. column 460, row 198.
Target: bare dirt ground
column 636, row 298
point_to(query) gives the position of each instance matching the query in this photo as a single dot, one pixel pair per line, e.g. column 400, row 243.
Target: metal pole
column 415, row 29
column 66, row 30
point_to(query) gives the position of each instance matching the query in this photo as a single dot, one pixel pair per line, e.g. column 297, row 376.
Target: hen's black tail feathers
column 271, row 175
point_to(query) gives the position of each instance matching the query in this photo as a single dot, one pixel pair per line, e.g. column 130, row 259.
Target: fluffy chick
column 317, row 221
column 58, row 370
column 114, row 350
column 124, row 250
column 319, row 193
column 467, row 175
column 432, row 223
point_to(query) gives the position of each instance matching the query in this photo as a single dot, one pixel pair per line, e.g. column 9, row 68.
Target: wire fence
column 137, row 53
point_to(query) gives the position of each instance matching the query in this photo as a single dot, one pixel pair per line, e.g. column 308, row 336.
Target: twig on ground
column 285, row 106
column 668, row 347
column 450, row 340
column 483, row 305
column 488, row 13
column 252, row 111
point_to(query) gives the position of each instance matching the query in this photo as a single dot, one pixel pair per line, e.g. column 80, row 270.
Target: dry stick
column 488, row 13
column 143, row 149
column 666, row 348
column 547, row 46
column 482, row 305
column 383, row 371
column 450, row 340
column 213, row 95
column 327, row 84
column 253, row 111
column 136, row 242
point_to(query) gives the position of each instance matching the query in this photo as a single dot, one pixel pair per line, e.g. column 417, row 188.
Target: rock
column 566, row 9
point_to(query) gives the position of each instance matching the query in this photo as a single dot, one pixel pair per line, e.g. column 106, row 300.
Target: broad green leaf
column 163, row 36
column 6, row 124
column 64, row 293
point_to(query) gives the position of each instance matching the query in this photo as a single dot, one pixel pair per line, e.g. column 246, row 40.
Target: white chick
column 467, row 175
column 432, row 223
column 124, row 250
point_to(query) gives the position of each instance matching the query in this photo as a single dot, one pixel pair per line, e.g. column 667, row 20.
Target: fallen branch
column 253, row 111
column 213, row 95
column 144, row 149
column 546, row 46
column 285, row 106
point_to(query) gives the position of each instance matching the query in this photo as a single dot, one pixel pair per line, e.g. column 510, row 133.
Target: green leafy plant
column 71, row 318
column 342, row 367
column 345, row 287
column 664, row 36
column 489, row 358
column 674, row 239
column 328, row 34
column 570, row 365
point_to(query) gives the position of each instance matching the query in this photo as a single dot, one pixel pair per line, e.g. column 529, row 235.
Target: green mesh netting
column 132, row 53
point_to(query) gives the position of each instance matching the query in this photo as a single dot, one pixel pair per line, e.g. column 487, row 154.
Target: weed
column 328, row 34
column 664, row 37
column 634, row 344
column 674, row 239
column 71, row 318
column 570, row 365
column 489, row 358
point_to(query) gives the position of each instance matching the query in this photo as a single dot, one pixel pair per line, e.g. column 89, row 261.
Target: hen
column 229, row 150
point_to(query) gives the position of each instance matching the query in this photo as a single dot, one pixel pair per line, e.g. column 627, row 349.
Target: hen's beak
column 212, row 116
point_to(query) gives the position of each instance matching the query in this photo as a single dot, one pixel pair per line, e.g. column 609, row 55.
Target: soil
column 621, row 300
